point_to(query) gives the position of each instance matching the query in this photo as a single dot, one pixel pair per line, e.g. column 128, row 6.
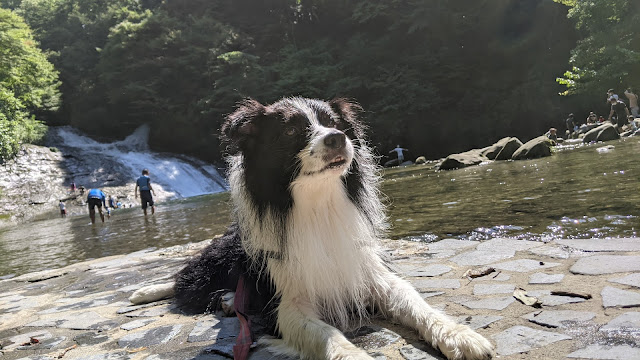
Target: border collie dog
column 307, row 223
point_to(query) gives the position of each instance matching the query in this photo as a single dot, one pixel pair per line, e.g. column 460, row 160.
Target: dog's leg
column 403, row 303
column 302, row 330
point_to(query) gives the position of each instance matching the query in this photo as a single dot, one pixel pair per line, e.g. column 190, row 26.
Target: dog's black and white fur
column 308, row 218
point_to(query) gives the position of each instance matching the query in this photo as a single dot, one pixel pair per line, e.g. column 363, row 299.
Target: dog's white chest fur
column 331, row 250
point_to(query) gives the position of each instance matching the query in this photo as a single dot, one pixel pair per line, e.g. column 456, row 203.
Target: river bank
column 588, row 290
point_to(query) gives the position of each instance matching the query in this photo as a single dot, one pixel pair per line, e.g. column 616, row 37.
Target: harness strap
column 245, row 338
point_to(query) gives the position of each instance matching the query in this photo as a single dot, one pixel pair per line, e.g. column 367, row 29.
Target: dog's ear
column 348, row 112
column 240, row 125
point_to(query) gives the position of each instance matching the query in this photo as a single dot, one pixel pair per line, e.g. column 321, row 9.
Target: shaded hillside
column 435, row 76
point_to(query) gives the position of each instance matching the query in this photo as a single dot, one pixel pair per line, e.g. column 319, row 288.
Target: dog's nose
column 335, row 140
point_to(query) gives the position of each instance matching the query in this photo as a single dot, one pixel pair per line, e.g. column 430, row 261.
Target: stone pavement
column 583, row 294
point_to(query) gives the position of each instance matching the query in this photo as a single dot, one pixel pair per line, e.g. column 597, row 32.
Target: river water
column 579, row 192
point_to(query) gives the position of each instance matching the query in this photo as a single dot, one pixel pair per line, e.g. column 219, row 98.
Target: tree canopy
column 436, row 76
column 608, row 54
column 28, row 85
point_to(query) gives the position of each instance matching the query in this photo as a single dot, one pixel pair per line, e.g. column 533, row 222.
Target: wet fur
column 306, row 232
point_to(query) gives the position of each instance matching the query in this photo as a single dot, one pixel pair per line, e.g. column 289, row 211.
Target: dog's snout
column 335, row 140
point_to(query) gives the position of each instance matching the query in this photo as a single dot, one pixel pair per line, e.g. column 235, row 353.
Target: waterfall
column 94, row 164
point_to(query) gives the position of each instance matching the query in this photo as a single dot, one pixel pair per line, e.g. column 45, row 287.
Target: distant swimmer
column 144, row 183
column 96, row 197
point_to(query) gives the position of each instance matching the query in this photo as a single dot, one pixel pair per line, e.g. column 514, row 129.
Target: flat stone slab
column 554, row 318
column 410, row 352
column 503, row 244
column 214, row 329
column 630, row 320
column 478, row 321
column 482, row 257
column 146, row 338
column 554, row 300
column 519, row 339
column 490, row 289
column 550, row 251
column 612, row 297
column 542, row 278
column 436, row 283
column 17, row 340
column 135, row 324
column 88, row 320
column 429, row 270
column 614, row 244
column 621, row 352
column 606, row 264
column 524, row 265
column 633, row 280
column 451, row 244
column 498, row 303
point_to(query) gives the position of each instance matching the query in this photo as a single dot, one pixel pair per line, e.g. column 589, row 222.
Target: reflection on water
column 577, row 193
column 55, row 242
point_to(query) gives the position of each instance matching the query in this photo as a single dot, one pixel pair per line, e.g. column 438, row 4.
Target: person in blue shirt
column 96, row 197
column 144, row 183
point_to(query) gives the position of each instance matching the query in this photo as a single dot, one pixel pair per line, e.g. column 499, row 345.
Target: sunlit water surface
column 579, row 192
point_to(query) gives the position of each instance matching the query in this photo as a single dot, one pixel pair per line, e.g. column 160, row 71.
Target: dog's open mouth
column 337, row 162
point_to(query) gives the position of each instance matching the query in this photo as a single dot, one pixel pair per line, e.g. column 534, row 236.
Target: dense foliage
column 436, row 76
column 28, row 85
column 608, row 55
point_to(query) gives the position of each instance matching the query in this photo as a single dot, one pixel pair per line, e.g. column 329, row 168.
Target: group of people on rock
column 619, row 113
column 96, row 198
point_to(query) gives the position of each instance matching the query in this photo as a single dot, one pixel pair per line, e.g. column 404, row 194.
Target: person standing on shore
column 63, row 209
column 620, row 110
column 96, row 197
column 399, row 151
column 633, row 102
column 144, row 183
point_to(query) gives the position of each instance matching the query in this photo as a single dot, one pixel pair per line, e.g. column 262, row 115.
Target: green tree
column 608, row 55
column 28, row 85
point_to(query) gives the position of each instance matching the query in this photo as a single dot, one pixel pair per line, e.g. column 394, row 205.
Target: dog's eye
column 290, row 131
column 331, row 123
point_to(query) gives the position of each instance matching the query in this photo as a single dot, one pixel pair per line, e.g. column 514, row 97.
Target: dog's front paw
column 462, row 343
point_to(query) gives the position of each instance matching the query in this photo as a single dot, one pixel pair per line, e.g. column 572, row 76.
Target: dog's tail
column 214, row 272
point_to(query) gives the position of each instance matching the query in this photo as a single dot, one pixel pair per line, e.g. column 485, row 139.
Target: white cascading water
column 177, row 176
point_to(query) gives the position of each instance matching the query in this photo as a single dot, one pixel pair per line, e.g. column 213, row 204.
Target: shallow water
column 580, row 192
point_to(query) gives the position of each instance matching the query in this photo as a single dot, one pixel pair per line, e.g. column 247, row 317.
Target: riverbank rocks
column 457, row 161
column 533, row 149
column 590, row 297
column 604, row 132
column 503, row 149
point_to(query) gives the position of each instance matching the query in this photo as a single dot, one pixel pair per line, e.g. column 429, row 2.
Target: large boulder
column 457, row 161
column 507, row 146
column 604, row 132
column 421, row 160
column 533, row 149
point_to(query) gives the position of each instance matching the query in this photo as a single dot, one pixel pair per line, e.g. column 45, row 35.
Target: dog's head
column 294, row 137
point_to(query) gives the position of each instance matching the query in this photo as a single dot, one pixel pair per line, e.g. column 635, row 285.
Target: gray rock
column 542, row 278
column 478, row 321
column 90, row 338
column 131, row 325
column 533, row 149
column 614, row 244
column 429, row 271
column 482, row 257
column 633, row 280
column 497, row 303
column 502, row 244
column 155, row 336
column 410, row 352
column 51, row 343
column 503, row 149
column 17, row 340
column 519, row 339
column 436, row 283
column 605, row 132
column 612, row 297
column 372, row 337
column 490, row 289
column 630, row 320
column 451, row 244
column 550, row 251
column 88, row 320
column 596, row 351
column 524, row 265
column 154, row 311
column 553, row 300
column 461, row 160
column 554, row 318
column 429, row 294
column 214, row 329
column 606, row 264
